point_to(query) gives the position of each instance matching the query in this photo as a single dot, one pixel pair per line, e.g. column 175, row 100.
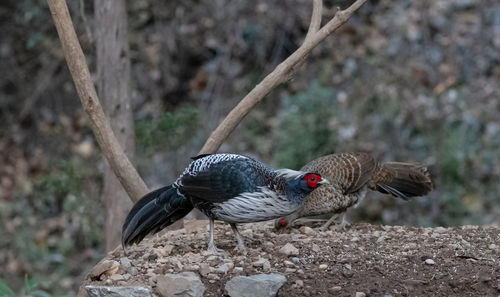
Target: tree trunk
column 113, row 84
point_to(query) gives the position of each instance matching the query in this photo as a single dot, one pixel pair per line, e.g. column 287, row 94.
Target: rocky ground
column 363, row 260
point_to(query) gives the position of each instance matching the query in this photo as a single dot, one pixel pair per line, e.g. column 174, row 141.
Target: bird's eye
column 313, row 179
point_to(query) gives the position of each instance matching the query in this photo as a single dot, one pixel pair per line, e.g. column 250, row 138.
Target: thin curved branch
column 279, row 75
column 316, row 17
column 118, row 161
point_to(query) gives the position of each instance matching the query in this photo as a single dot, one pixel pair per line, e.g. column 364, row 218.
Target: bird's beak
column 324, row 181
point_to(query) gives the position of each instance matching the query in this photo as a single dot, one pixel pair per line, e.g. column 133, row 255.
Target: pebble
column 205, row 269
column 299, row 283
column 360, row 294
column 323, row 266
column 264, row 263
column 335, row 289
column 213, row 276
column 315, row 248
column 347, row 272
column 223, row 268
column 295, row 260
column 125, row 263
column 260, row 285
column 306, row 230
column 288, row 263
column 117, row 277
column 290, row 270
column 289, row 250
column 238, row 269
column 430, row 262
column 212, row 258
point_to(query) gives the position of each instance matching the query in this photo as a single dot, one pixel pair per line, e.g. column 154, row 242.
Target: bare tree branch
column 315, row 18
column 118, row 161
column 280, row 74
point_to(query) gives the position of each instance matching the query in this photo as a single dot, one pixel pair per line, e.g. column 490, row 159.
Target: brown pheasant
column 350, row 175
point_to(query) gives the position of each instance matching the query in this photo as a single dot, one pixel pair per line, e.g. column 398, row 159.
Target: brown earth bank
column 362, row 260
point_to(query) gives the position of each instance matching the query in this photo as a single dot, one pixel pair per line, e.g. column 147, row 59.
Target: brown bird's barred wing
column 348, row 172
column 403, row 180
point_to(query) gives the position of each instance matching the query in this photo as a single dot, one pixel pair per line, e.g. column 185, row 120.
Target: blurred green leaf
column 5, row 291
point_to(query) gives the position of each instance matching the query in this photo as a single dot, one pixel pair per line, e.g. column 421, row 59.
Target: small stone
column 223, row 268
column 295, row 260
column 315, row 248
column 306, row 230
column 167, row 249
column 288, row 263
column 116, row 277
column 212, row 258
column 213, row 276
column 205, row 269
column 186, row 284
column 105, row 268
column 335, row 289
column 290, row 270
column 104, row 291
column 299, row 283
column 492, row 246
column 300, row 271
column 323, row 266
column 260, row 285
column 347, row 272
column 125, row 263
column 133, row 271
column 192, row 267
column 430, row 262
column 289, row 250
column 440, row 230
column 238, row 269
column 360, row 294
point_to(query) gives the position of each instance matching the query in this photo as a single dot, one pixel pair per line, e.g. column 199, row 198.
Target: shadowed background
column 404, row 80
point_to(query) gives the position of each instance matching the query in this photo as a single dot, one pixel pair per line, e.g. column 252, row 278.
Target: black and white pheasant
column 227, row 187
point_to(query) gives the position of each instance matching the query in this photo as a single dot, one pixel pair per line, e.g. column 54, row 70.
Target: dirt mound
column 363, row 260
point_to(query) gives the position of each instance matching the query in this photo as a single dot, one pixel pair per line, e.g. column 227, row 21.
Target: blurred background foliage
column 404, row 80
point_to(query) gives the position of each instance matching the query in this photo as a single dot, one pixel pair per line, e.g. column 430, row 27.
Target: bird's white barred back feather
column 261, row 205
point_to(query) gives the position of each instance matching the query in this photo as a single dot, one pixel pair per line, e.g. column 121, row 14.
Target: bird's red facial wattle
column 313, row 180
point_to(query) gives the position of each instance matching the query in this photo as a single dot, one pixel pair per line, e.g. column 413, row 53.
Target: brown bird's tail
column 403, row 180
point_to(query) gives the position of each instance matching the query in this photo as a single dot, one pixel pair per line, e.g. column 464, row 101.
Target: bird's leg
column 211, row 245
column 328, row 223
column 344, row 222
column 237, row 235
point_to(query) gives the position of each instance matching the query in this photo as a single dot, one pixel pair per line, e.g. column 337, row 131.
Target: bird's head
column 312, row 181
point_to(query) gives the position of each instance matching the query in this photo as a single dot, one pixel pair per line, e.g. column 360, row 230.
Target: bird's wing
column 224, row 180
column 361, row 170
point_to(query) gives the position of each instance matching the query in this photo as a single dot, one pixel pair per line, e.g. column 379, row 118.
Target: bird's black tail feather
column 155, row 211
column 403, row 180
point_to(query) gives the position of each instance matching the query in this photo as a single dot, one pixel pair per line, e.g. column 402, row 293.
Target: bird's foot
column 328, row 223
column 216, row 251
column 242, row 248
column 344, row 223
column 324, row 227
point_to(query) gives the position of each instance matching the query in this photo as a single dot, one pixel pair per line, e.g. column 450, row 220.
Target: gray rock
column 185, row 284
column 105, row 291
column 289, row 250
column 260, row 285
